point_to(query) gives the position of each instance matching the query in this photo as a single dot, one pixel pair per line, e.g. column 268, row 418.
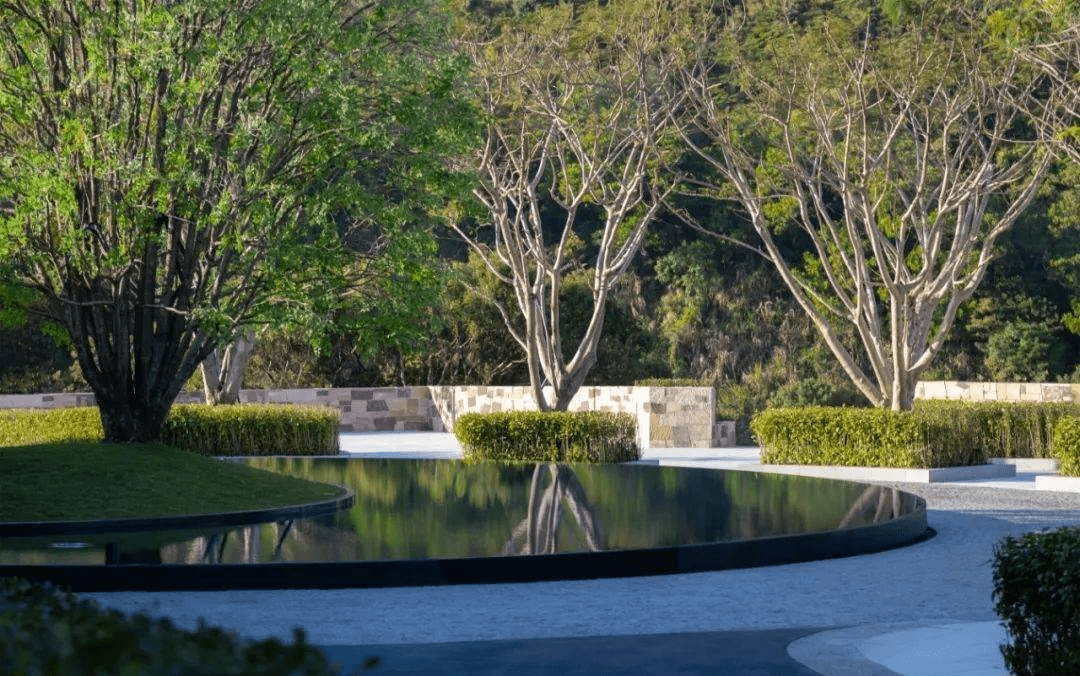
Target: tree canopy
column 169, row 168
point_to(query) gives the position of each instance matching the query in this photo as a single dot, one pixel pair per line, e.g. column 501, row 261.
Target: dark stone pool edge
column 192, row 521
column 906, row 530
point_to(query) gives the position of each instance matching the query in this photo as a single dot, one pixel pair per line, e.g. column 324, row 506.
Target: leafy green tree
column 170, row 168
column 894, row 146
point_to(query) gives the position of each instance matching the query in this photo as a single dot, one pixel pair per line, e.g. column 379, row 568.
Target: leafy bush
column 22, row 427
column 818, row 435
column 548, row 436
column 996, row 429
column 1037, row 596
column 253, row 429
column 46, row 631
column 935, row 433
column 815, row 392
column 243, row 429
column 1067, row 445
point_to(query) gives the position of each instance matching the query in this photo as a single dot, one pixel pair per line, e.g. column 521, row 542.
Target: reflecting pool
column 440, row 509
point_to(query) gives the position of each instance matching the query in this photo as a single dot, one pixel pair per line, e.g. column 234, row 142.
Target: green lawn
column 90, row 480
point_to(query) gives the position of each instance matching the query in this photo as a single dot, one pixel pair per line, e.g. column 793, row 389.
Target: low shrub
column 819, row 435
column 936, row 433
column 548, row 436
column 996, row 429
column 243, row 429
column 46, row 631
column 1037, row 596
column 253, row 429
column 1067, row 445
column 25, row 427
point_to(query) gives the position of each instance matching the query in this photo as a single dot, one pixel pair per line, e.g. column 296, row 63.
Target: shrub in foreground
column 548, row 436
column 1037, row 596
column 46, row 631
column 253, row 429
column 1067, row 445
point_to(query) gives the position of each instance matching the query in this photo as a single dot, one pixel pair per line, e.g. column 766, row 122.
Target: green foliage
column 549, row 436
column 935, row 433
column 74, row 481
column 843, row 436
column 253, row 429
column 1067, row 445
column 1037, row 596
column 813, row 391
column 47, row 631
column 994, row 429
column 185, row 170
column 247, row 429
column 24, row 427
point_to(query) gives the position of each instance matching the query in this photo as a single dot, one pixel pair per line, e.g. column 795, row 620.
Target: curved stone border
column 215, row 520
column 768, row 551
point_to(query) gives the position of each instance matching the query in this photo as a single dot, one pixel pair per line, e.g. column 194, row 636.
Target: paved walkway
column 922, row 610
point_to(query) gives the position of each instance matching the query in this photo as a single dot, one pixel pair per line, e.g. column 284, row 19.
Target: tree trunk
column 135, row 352
column 224, row 369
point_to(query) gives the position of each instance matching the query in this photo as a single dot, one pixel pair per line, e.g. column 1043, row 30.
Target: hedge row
column 25, row 427
column 998, row 429
column 870, row 437
column 45, row 631
column 253, row 429
column 934, row 434
column 1067, row 445
column 549, row 436
column 243, row 429
column 1037, row 596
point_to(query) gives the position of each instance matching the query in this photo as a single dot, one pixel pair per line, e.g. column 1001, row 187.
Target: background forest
column 691, row 307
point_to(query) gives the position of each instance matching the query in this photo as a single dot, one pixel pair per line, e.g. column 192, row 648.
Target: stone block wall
column 667, row 416
column 969, row 391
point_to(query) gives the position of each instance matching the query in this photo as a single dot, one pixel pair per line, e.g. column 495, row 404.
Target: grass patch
column 76, row 480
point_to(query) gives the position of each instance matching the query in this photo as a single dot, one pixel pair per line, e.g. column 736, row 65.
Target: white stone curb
column 1067, row 484
column 900, row 474
column 1029, row 465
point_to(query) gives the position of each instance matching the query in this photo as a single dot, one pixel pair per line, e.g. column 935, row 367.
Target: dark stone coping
column 768, row 551
column 190, row 521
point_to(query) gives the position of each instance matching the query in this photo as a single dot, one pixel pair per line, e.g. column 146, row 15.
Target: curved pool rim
column 907, row 529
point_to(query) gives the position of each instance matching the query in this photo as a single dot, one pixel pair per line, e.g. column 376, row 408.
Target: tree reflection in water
column 538, row 533
column 882, row 502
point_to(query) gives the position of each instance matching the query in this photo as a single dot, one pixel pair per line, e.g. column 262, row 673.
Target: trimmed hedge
column 868, row 437
column 1037, row 596
column 19, row 427
column 46, row 631
column 243, row 429
column 253, row 429
column 935, row 433
column 548, row 436
column 1067, row 445
column 998, row 429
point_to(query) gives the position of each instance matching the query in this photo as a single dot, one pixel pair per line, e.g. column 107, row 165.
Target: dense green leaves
column 548, row 436
column 44, row 630
column 1037, row 596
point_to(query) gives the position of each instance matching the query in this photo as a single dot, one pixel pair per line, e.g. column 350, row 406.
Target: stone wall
column 667, row 416
column 967, row 391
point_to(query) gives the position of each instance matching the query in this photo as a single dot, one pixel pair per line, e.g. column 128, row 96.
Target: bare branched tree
column 578, row 113
column 899, row 158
